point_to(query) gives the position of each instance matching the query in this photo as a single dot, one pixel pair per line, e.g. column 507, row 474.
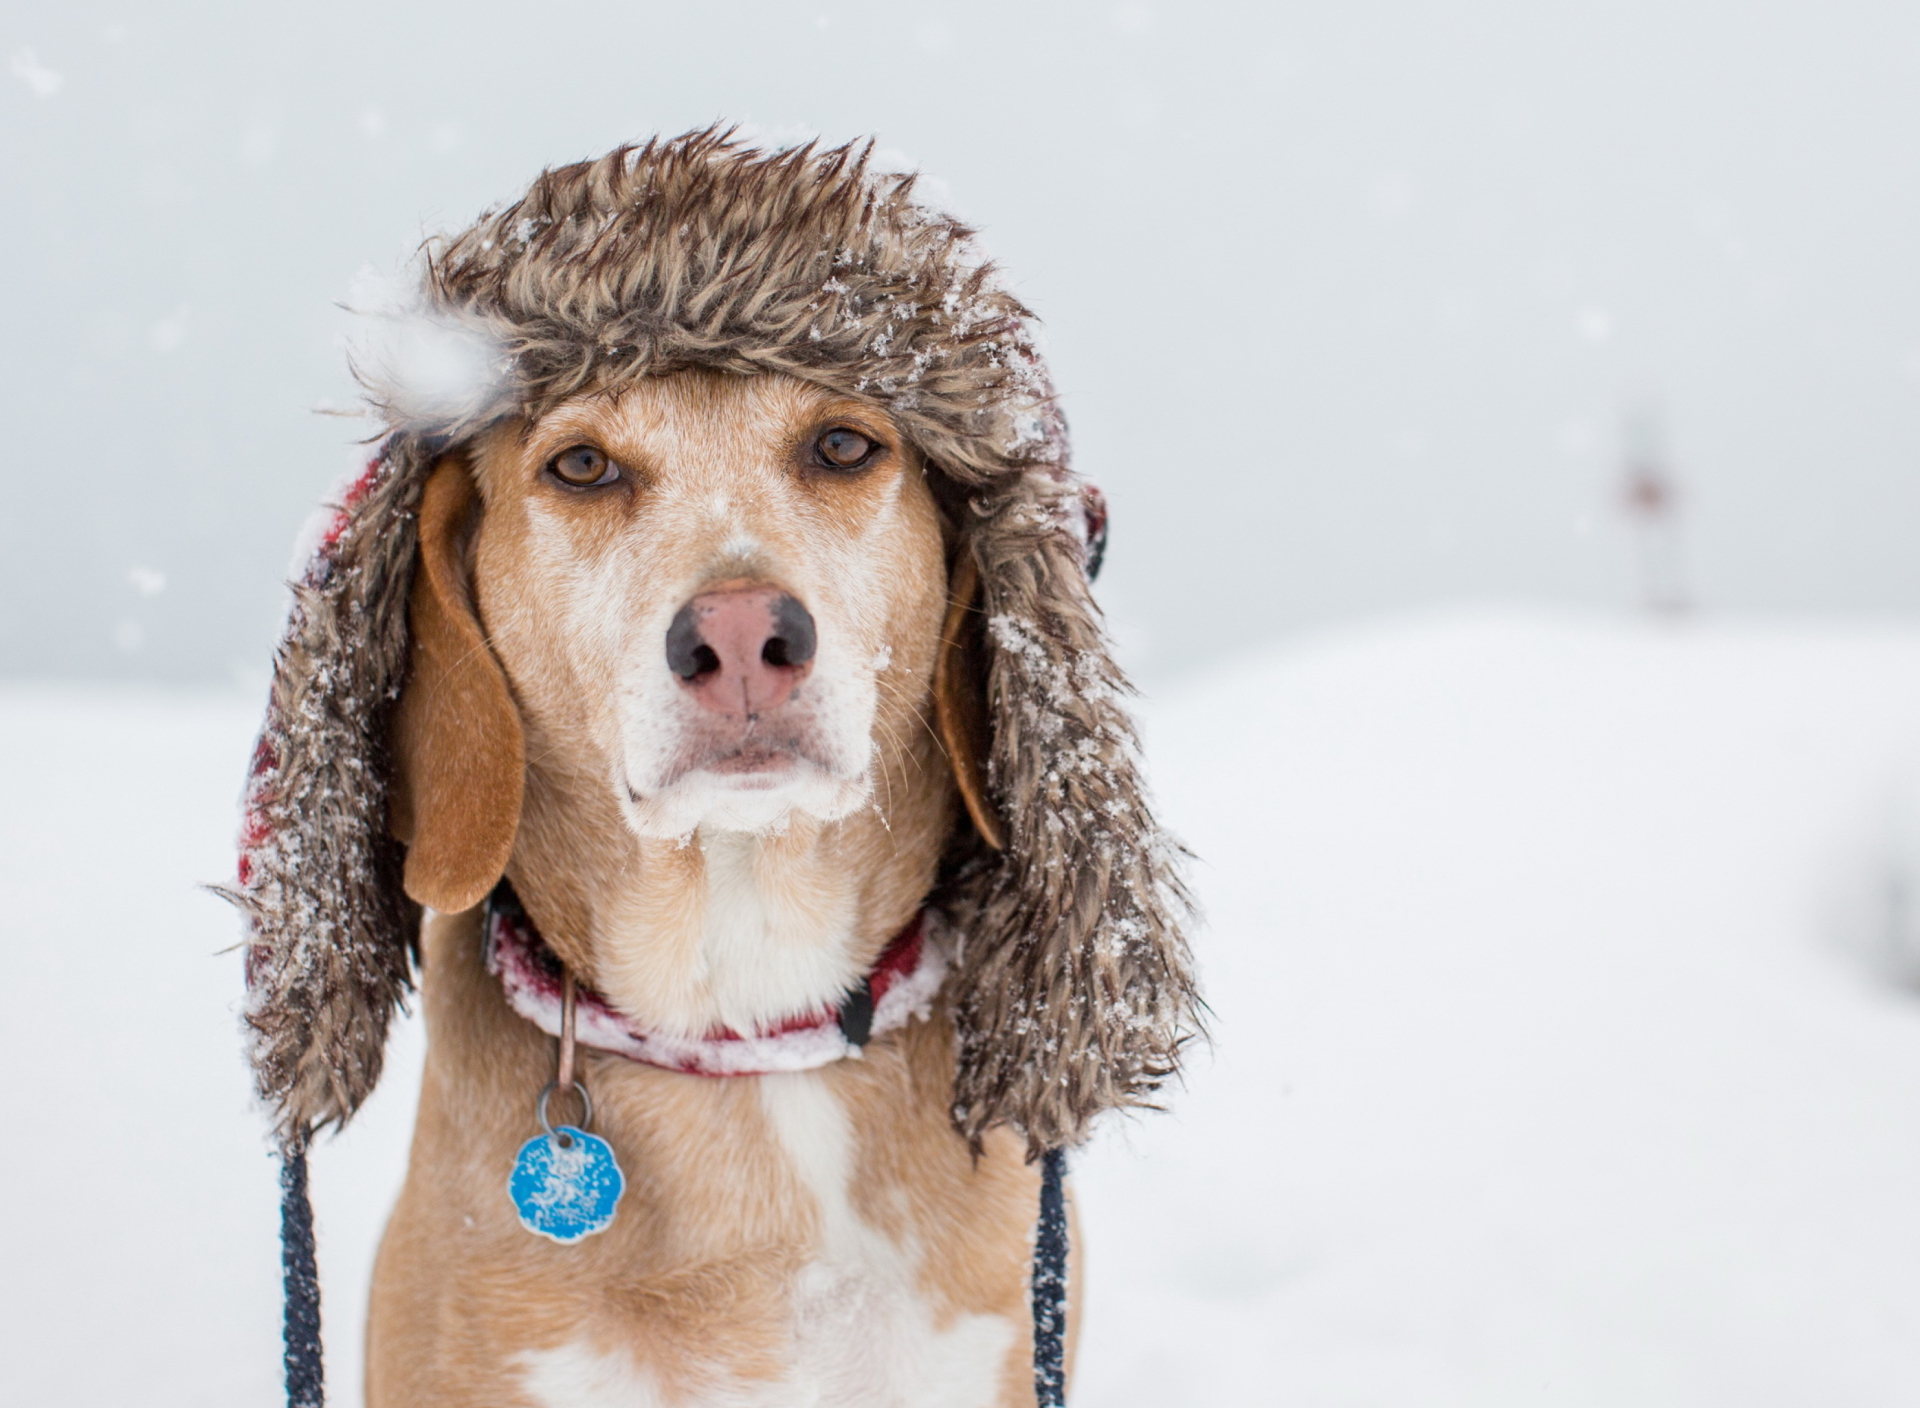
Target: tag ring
column 586, row 1102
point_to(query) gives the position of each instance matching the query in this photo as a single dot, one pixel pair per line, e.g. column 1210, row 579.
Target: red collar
column 900, row 988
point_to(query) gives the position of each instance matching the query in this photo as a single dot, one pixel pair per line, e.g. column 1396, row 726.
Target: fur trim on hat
column 1074, row 992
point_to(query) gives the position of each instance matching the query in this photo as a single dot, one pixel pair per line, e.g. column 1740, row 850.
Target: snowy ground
column 1563, row 1055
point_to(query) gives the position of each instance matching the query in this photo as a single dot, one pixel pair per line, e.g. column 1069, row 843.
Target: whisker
column 916, row 708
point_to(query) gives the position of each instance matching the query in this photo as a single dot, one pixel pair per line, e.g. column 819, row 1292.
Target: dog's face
column 713, row 592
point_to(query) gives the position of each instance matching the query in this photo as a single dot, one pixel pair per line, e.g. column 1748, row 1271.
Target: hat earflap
column 1075, row 992
column 319, row 881
column 388, row 776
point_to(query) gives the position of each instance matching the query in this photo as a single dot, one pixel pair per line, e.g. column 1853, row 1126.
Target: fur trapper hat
column 1073, row 993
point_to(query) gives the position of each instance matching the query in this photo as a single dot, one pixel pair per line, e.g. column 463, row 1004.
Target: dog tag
column 566, row 1185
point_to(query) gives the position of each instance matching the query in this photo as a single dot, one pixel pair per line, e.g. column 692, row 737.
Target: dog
column 709, row 698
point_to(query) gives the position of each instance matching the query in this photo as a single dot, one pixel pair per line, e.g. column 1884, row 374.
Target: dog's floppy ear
column 960, row 697
column 459, row 749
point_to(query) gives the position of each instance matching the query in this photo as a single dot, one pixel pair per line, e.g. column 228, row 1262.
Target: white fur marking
column 577, row 1376
column 866, row 1338
column 757, row 959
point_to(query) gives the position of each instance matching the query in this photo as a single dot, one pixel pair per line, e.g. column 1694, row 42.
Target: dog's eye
column 583, row 467
column 844, row 449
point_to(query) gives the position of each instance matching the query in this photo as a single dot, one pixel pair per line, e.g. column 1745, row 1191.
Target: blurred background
column 1510, row 414
column 1354, row 306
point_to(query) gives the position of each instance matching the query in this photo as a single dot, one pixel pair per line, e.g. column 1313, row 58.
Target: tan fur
column 960, row 704
column 695, row 1274
column 458, row 738
column 701, row 1285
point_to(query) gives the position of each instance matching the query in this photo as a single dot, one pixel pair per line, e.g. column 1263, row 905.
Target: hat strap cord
column 300, row 1279
column 1050, row 1284
column 306, row 1372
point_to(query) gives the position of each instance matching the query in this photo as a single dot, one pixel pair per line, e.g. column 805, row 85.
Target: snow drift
column 1566, row 1045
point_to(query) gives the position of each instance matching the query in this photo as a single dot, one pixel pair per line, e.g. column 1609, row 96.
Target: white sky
column 1348, row 301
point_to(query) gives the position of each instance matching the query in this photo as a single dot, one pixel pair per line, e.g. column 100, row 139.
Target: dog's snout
column 742, row 651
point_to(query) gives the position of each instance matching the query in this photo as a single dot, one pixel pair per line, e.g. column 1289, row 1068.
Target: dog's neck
column 740, row 931
column 730, row 929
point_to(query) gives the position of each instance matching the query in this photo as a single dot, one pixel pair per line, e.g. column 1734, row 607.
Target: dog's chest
column 863, row 1333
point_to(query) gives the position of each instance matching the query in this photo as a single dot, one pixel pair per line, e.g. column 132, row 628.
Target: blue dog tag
column 566, row 1185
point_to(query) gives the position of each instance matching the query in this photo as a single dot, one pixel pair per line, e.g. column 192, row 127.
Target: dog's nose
column 742, row 651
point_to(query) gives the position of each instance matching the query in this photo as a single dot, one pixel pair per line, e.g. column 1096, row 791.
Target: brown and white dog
column 726, row 849
column 739, row 620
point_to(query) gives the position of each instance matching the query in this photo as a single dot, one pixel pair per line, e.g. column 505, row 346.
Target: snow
column 422, row 364
column 1547, row 1070
column 141, row 1241
column 1560, row 1054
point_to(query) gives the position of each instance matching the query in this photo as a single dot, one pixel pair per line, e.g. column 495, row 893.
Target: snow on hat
column 1073, row 993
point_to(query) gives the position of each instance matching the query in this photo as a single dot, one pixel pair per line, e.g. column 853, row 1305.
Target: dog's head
column 719, row 597
column 772, row 441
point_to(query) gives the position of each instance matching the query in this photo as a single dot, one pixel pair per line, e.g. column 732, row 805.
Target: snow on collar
column 899, row 989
